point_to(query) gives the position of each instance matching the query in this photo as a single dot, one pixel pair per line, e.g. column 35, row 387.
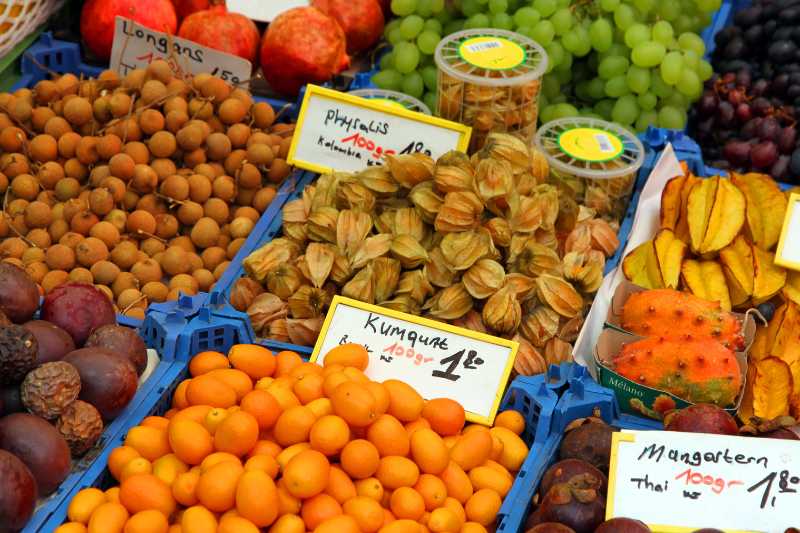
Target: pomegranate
column 97, row 20
column 701, row 418
column 361, row 20
column 216, row 28
column 184, row 8
column 302, row 45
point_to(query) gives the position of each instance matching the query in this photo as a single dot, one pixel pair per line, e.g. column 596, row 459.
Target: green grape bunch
column 634, row 62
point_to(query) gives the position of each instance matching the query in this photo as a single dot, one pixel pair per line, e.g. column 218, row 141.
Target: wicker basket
column 18, row 18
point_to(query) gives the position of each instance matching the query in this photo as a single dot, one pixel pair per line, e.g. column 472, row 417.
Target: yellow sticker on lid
column 492, row 53
column 390, row 103
column 590, row 144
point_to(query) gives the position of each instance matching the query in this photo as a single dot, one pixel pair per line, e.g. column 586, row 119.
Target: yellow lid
column 492, row 53
column 590, row 144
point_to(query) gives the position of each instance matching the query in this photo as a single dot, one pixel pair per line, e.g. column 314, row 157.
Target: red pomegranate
column 302, row 45
column 227, row 32
column 361, row 20
column 97, row 20
column 184, row 8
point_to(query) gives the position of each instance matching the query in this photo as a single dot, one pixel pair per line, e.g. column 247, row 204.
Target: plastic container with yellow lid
column 393, row 98
column 596, row 159
column 490, row 79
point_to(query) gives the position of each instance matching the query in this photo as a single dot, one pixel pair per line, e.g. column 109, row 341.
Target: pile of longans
column 145, row 185
column 262, row 442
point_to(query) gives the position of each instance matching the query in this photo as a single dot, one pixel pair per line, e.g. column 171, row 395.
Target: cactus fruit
column 670, row 313
column 696, row 370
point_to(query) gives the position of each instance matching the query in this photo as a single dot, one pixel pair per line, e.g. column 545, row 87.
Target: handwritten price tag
column 136, row 46
column 788, row 251
column 342, row 132
column 264, row 11
column 678, row 482
column 438, row 359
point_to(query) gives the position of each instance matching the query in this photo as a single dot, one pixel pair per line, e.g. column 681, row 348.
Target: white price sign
column 136, row 46
column 676, row 482
column 439, row 360
column 263, row 10
column 788, row 252
column 341, row 132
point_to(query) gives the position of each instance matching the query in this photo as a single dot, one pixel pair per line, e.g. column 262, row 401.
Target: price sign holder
column 437, row 359
column 681, row 482
column 788, row 252
column 336, row 131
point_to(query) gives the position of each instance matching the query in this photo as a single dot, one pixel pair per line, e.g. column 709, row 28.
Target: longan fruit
column 184, row 281
column 50, row 174
column 141, row 224
column 175, row 120
column 217, row 209
column 105, row 272
column 72, row 207
column 86, row 151
column 118, row 218
column 263, row 198
column 263, row 115
column 17, row 207
column 82, row 222
column 152, row 204
column 238, row 134
column 213, row 256
column 146, row 271
column 241, row 227
column 81, row 275
column 190, row 137
column 167, row 226
column 247, row 212
column 53, row 279
column 220, row 270
column 124, row 281
column 130, row 298
column 25, row 186
column 200, row 188
column 78, row 111
column 106, row 290
column 58, row 228
column 185, row 242
column 195, row 157
column 223, row 241
column 224, row 188
column 101, row 109
column 190, row 212
column 163, row 144
column 214, row 88
column 108, row 146
column 101, row 201
column 234, row 246
column 175, row 187
column 45, row 91
column 12, row 139
column 84, row 197
column 13, row 261
column 14, row 165
column 163, row 168
column 175, row 103
column 248, row 176
column 13, row 247
column 145, row 179
column 175, row 261
column 19, row 227
column 43, row 148
column 260, row 154
column 37, row 271
column 98, row 174
column 38, row 215
column 67, row 143
column 200, row 109
column 3, row 182
column 122, row 166
column 152, row 91
column 124, row 255
column 279, row 170
column 56, row 127
column 231, row 111
column 65, row 189
column 32, row 255
column 159, row 70
column 152, row 246
column 138, row 152
column 106, row 232
column 208, row 170
column 218, row 146
column 70, row 239
column 155, row 291
column 21, row 110
column 40, row 116
column 75, row 169
column 234, row 161
column 90, row 251
column 130, row 200
column 205, row 279
column 4, row 227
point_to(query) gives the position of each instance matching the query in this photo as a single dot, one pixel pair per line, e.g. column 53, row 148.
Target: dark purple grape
column 750, row 129
column 768, row 129
column 789, row 15
column 705, row 128
column 748, row 16
column 793, row 92
column 770, row 26
column 787, row 139
column 725, row 35
column 736, row 97
column 743, row 78
column 734, row 49
column 794, row 164
column 708, row 104
column 764, row 154
column 737, row 152
column 754, row 34
column 782, row 51
column 761, row 106
column 780, row 84
column 780, row 169
column 760, row 87
column 782, row 34
column 726, row 113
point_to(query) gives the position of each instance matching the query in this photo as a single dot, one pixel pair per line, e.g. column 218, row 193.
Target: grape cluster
column 635, row 62
column 745, row 119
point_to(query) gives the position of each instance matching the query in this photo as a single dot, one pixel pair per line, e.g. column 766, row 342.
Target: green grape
column 406, row 57
column 395, row 36
column 513, row 5
column 470, row 7
column 437, row 6
column 675, row 99
column 545, row 7
column 401, row 8
column 388, row 79
column 570, row 41
column 427, row 42
column 444, row 16
column 648, row 117
column 504, row 21
column 636, row 33
column 669, row 11
column 564, row 111
column 671, row 67
column 562, row 20
column 705, row 20
column 708, row 6
column 425, row 8
column 546, row 114
column 601, row 34
column 604, row 107
column 550, row 86
column 644, row 6
column 431, row 101
column 597, row 89
column 498, row 6
column 638, row 79
column 616, row 49
column 453, row 26
column 543, row 32
column 693, row 42
column 683, row 23
column 647, row 101
column 625, row 110
column 425, row 61
column 477, row 21
column 564, row 76
column 413, row 85
column 662, row 32
column 582, row 90
column 613, row 66
column 609, row 5
column 430, row 76
column 672, row 118
column 648, row 54
column 690, row 60
column 690, row 85
column 526, row 16
column 395, row 23
column 659, row 88
column 555, row 54
column 617, row 86
column 624, row 16
column 433, row 25
column 387, row 61
column 566, row 64
column 704, row 70
column 483, row 2
column 411, row 26
column 583, row 43
column 523, row 30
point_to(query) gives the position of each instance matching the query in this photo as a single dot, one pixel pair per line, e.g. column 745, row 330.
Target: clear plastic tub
column 490, row 79
column 596, row 159
column 393, row 98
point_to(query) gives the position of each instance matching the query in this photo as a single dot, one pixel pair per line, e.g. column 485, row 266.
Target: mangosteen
column 108, row 380
column 590, row 442
column 564, row 470
column 54, row 342
column 550, row 527
column 18, row 349
column 701, row 418
column 19, row 296
column 40, row 446
column 623, row 525
column 122, row 341
column 708, row 530
column 576, row 503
